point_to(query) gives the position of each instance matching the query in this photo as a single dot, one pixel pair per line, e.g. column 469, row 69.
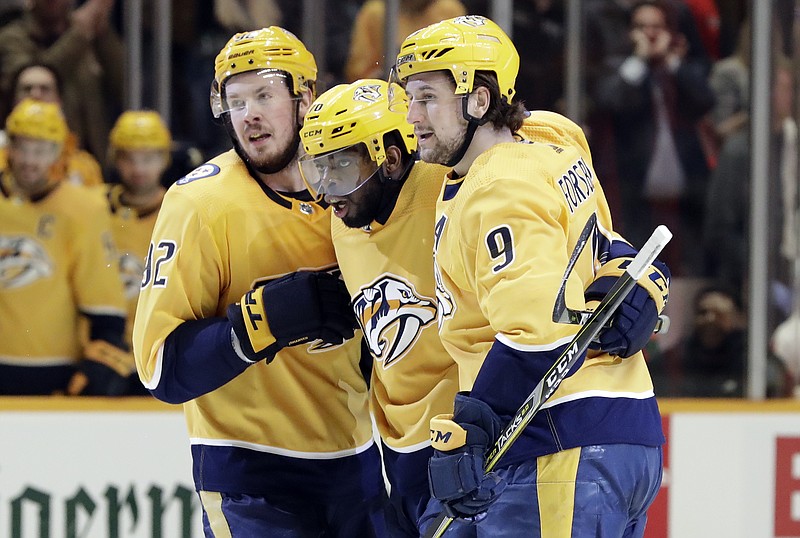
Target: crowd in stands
column 667, row 100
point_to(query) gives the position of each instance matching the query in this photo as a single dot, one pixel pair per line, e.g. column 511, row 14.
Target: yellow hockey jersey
column 388, row 269
column 132, row 230
column 504, row 235
column 291, row 422
column 58, row 260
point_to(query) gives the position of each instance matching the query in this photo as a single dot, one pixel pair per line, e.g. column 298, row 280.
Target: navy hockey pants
column 600, row 491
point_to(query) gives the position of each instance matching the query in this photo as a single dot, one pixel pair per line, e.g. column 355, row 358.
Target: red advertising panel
column 787, row 486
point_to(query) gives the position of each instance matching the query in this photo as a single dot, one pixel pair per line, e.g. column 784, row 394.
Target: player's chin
column 432, row 155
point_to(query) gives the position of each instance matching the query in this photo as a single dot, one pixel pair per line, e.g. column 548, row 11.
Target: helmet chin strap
column 472, row 125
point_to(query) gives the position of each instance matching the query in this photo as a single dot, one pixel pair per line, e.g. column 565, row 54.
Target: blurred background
column 690, row 107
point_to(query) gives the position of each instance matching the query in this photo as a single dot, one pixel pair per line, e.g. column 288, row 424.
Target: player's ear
column 306, row 98
column 478, row 102
column 393, row 162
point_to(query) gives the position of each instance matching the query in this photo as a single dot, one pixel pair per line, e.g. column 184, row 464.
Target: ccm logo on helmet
column 314, row 132
column 405, row 59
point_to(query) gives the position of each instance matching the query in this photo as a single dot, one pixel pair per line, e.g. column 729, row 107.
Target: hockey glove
column 103, row 371
column 299, row 308
column 456, row 470
column 632, row 324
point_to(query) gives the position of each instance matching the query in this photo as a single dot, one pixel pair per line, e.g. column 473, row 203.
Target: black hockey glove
column 455, row 471
column 104, row 371
column 299, row 308
column 632, row 325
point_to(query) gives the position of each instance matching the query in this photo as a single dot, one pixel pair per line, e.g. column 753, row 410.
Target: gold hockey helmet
column 346, row 116
column 462, row 46
column 37, row 119
column 140, row 129
column 271, row 49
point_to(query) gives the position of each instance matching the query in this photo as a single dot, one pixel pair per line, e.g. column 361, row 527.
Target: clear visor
column 263, row 89
column 338, row 173
column 398, row 100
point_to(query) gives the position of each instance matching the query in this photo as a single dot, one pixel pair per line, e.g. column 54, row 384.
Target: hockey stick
column 558, row 371
column 561, row 312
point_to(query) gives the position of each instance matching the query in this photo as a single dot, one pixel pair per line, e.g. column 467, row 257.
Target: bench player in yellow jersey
column 139, row 149
column 360, row 157
column 507, row 222
column 261, row 356
column 58, row 267
column 41, row 81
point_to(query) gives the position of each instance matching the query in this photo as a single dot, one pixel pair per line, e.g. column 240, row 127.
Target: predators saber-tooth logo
column 392, row 315
column 131, row 269
column 22, row 261
column 368, row 93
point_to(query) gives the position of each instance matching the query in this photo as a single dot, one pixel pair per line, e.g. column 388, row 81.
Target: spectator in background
column 140, row 144
column 42, row 82
column 86, row 50
column 713, row 357
column 725, row 235
column 607, row 42
column 57, row 238
column 730, row 81
column 367, row 59
column 655, row 96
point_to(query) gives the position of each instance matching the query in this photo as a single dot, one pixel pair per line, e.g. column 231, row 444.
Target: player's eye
column 235, row 104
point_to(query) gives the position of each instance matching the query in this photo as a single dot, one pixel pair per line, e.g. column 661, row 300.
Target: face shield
column 398, row 100
column 265, row 89
column 337, row 173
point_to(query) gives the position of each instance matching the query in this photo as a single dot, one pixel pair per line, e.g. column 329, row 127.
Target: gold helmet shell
column 271, row 48
column 37, row 119
column 461, row 46
column 356, row 113
column 140, row 130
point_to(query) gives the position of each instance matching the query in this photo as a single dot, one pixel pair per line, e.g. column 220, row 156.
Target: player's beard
column 275, row 163
column 365, row 204
column 444, row 150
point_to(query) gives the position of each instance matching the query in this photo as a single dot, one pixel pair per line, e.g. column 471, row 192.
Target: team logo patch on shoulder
column 201, row 172
column 392, row 315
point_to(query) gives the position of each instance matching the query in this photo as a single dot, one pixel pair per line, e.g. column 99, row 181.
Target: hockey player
column 360, row 157
column 261, row 356
column 41, row 81
column 508, row 218
column 139, row 147
column 59, row 265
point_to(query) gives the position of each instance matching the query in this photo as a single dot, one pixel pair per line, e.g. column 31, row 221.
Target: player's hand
column 456, row 471
column 632, row 324
column 299, row 308
column 103, row 371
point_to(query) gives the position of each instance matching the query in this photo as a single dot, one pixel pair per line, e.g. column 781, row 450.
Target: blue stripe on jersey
column 407, row 471
column 239, row 470
column 198, row 357
column 508, row 376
